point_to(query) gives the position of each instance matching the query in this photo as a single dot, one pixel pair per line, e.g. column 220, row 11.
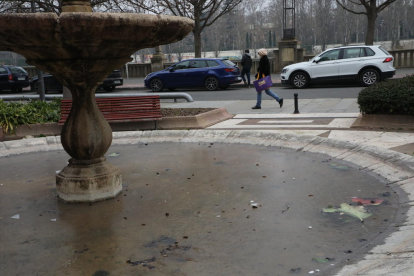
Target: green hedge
column 388, row 97
column 13, row 114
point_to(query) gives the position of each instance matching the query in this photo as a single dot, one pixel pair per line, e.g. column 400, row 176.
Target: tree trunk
column 197, row 41
column 372, row 17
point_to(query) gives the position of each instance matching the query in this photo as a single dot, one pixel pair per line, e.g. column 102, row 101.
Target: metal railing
column 173, row 96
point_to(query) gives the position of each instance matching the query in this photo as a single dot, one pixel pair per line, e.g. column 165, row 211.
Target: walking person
column 246, row 62
column 263, row 71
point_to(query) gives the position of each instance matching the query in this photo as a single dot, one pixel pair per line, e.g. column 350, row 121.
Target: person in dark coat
column 263, row 71
column 246, row 62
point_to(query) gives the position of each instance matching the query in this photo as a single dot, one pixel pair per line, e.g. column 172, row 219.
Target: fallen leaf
column 339, row 167
column 353, row 211
column 320, row 260
column 365, row 202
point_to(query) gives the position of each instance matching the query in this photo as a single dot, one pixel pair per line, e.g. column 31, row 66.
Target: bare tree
column 203, row 12
column 24, row 6
column 372, row 9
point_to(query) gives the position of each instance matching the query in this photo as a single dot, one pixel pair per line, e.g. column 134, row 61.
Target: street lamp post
column 314, row 38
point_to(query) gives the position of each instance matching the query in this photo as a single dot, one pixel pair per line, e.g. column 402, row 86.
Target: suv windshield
column 228, row 62
column 17, row 70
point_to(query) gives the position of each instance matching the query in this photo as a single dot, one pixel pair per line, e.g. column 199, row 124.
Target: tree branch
column 351, row 11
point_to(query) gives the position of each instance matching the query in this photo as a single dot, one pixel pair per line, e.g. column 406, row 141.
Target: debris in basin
column 16, row 216
column 296, row 270
column 365, row 202
column 386, row 194
column 254, row 205
column 162, row 240
column 57, row 171
column 145, row 263
column 174, row 247
column 353, row 211
column 339, row 167
column 321, row 260
column 81, row 251
column 287, row 208
column 52, row 220
column 114, row 154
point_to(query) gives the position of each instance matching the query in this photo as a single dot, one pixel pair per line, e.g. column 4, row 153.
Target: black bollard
column 296, row 103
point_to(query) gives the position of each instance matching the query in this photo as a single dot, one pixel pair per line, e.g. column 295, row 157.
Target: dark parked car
column 52, row 84
column 13, row 78
column 212, row 73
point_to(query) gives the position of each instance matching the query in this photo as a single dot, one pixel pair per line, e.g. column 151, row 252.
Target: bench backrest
column 121, row 109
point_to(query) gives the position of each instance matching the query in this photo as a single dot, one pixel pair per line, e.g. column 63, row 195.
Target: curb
column 232, row 85
column 394, row 257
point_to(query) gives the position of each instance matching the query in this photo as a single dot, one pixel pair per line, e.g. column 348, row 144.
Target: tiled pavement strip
column 334, row 123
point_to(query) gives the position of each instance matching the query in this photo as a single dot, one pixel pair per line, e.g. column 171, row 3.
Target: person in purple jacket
column 263, row 71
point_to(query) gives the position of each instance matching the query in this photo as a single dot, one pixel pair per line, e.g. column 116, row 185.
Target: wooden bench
column 122, row 109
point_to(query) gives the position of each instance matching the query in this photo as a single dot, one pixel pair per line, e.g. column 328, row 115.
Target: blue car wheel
column 156, row 85
column 211, row 83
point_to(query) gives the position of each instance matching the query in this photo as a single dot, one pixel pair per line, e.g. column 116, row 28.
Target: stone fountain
column 80, row 48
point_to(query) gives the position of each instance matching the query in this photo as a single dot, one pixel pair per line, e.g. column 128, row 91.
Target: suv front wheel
column 300, row 80
column 369, row 77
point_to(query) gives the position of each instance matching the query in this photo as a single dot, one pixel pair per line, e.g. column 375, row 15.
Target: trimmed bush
column 13, row 114
column 388, row 97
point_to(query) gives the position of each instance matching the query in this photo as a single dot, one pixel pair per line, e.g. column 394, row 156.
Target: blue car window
column 212, row 63
column 182, row 65
column 198, row 64
column 3, row 71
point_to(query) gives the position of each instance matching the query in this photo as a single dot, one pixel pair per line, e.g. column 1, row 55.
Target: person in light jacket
column 246, row 62
column 263, row 71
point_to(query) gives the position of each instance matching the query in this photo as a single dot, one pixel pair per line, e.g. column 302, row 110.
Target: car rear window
column 17, row 70
column 385, row 51
column 212, row 63
column 369, row 52
column 228, row 62
column 3, row 71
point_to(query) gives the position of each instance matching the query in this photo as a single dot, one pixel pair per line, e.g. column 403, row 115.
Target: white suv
column 366, row 64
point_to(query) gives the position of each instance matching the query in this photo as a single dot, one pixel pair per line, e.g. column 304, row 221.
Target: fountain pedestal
column 88, row 181
column 80, row 48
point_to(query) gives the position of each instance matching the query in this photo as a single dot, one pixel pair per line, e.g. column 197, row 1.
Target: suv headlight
column 285, row 70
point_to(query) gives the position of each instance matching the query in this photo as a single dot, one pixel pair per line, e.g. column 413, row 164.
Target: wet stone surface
column 192, row 209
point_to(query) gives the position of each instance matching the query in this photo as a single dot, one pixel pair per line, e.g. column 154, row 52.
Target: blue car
column 212, row 73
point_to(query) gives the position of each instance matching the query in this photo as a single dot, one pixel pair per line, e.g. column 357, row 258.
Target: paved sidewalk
column 331, row 118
